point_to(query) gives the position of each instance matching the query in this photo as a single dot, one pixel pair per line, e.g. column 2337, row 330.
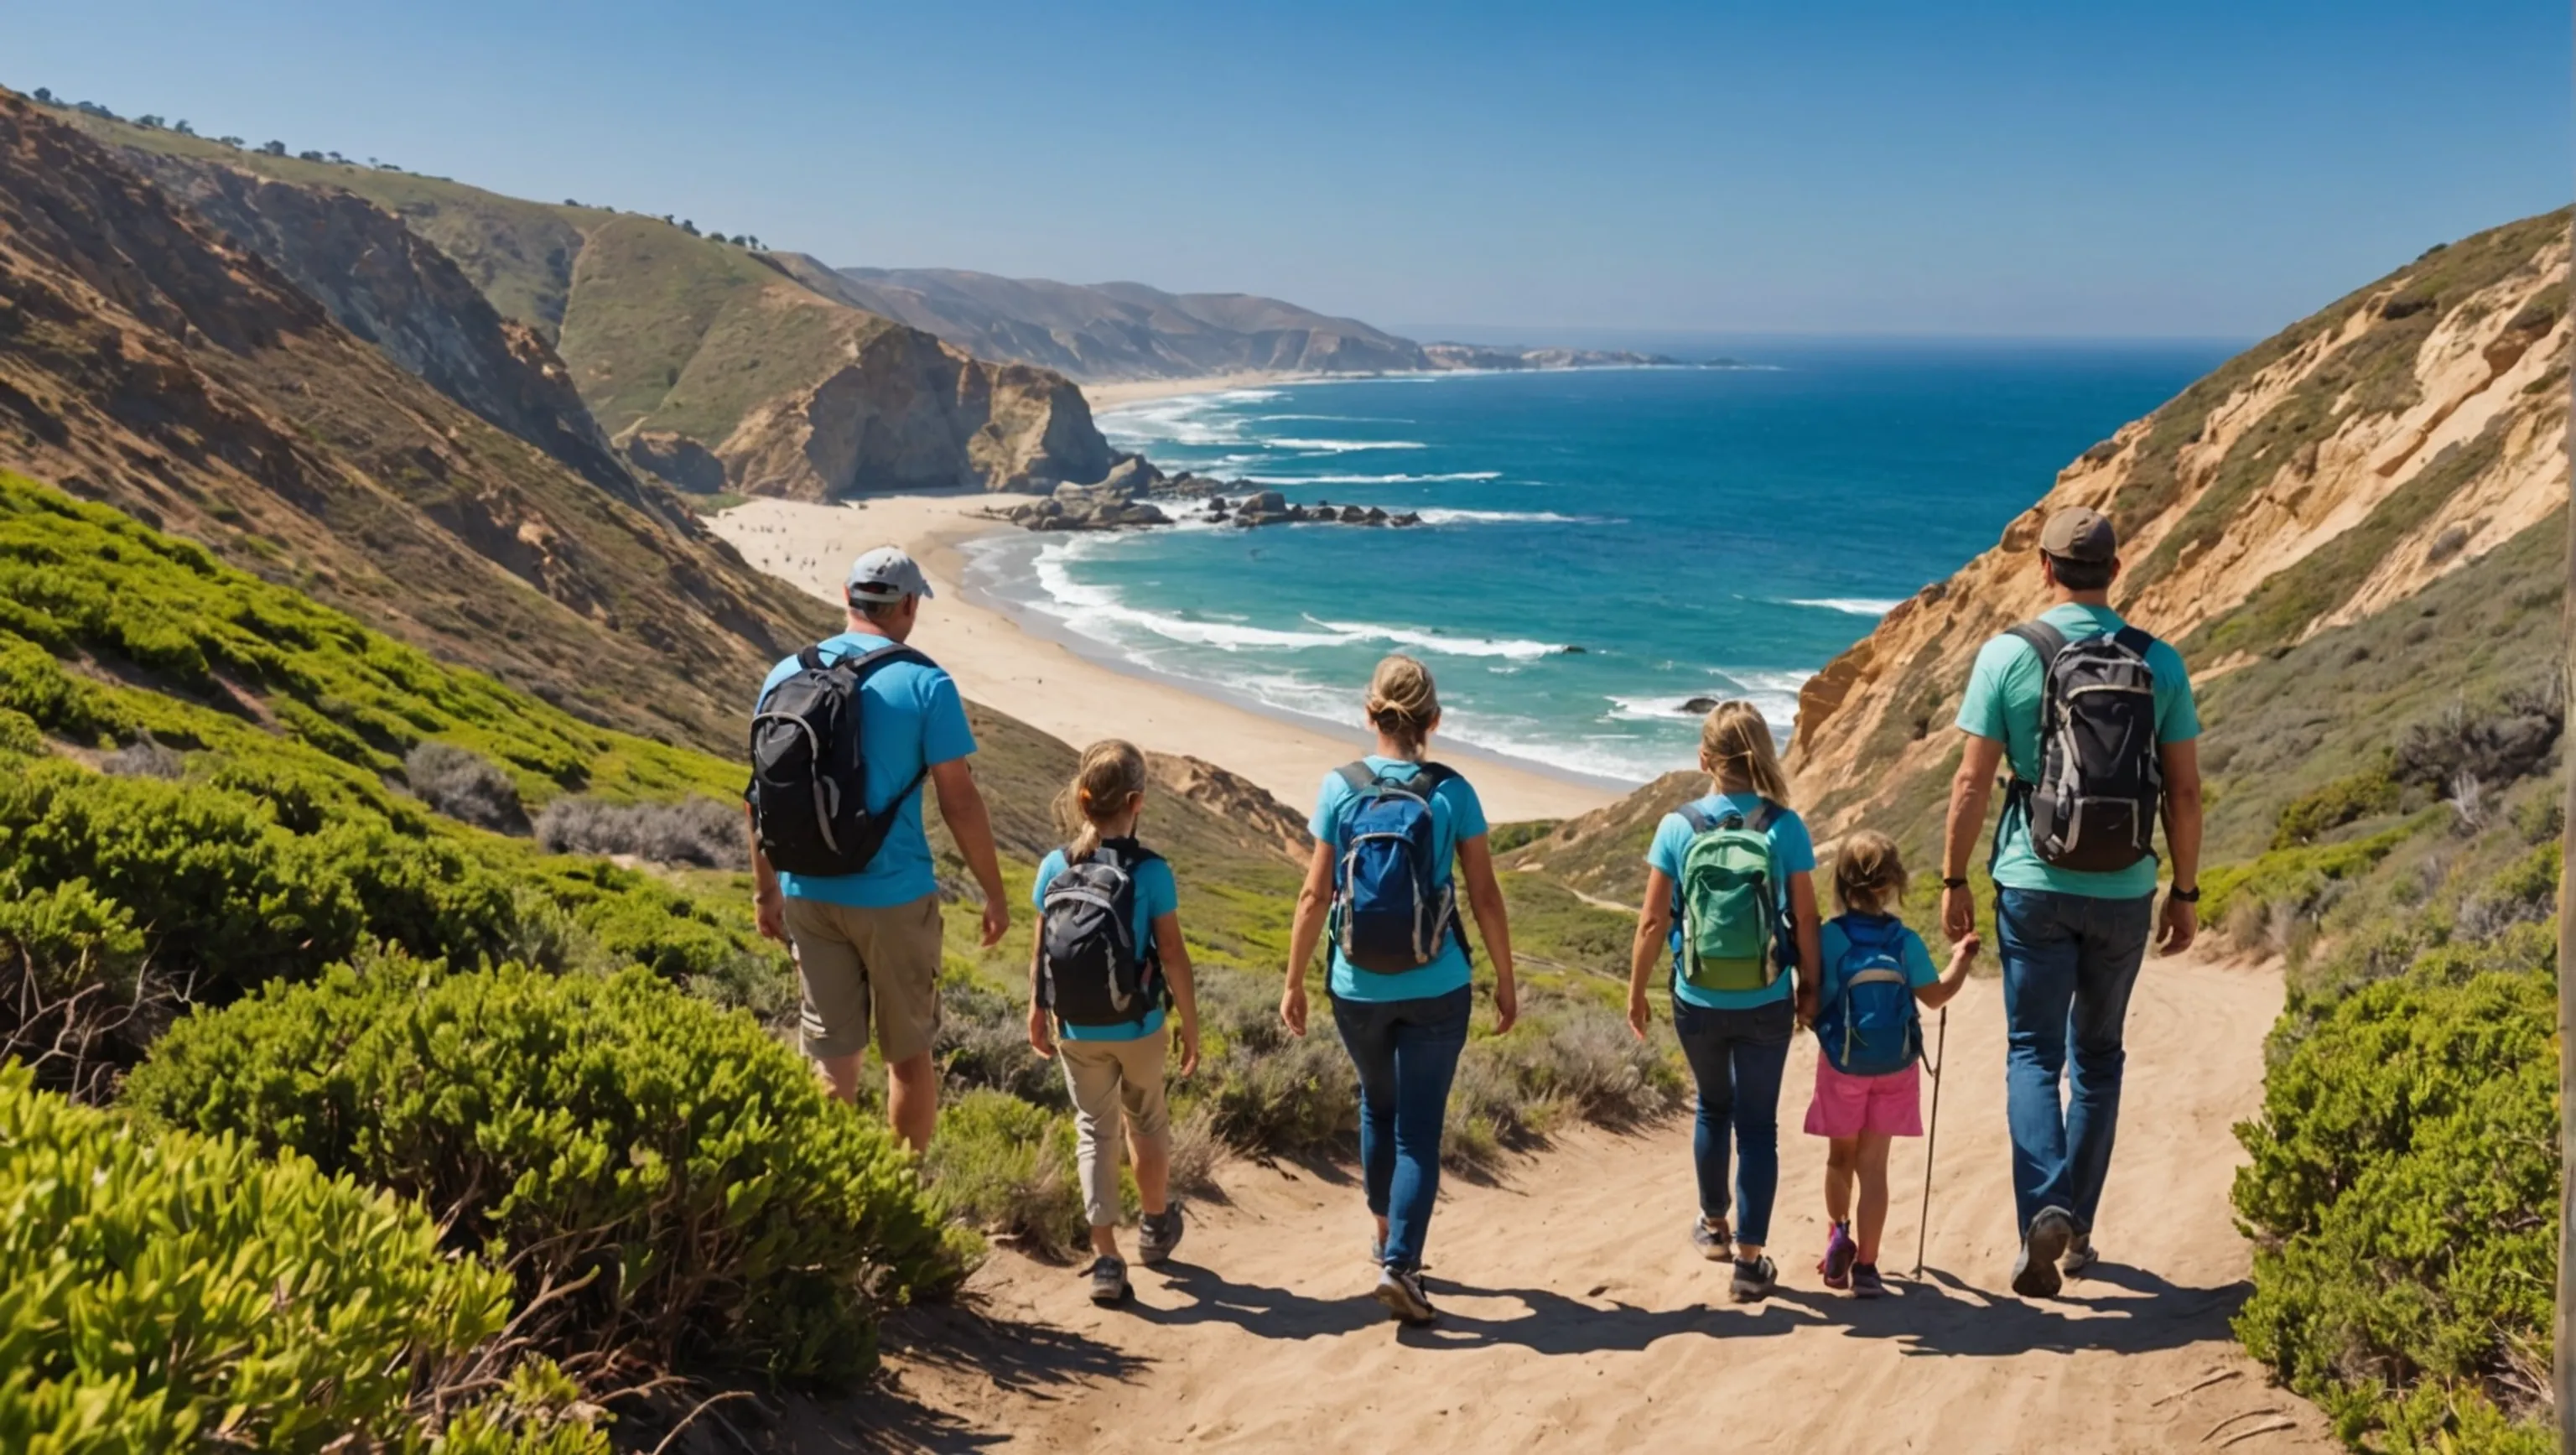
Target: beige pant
column 862, row 966
column 1107, row 1077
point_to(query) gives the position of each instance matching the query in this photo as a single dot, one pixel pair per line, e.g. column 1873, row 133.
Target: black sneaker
column 2079, row 1256
column 1158, row 1234
column 2035, row 1272
column 1753, row 1279
column 1400, row 1289
column 1108, row 1280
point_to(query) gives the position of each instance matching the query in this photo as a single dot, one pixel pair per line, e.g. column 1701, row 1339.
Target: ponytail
column 1402, row 702
column 1735, row 745
column 1112, row 772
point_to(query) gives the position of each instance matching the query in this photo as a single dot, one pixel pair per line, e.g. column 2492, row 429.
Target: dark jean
column 2069, row 961
column 1406, row 1052
column 1737, row 1057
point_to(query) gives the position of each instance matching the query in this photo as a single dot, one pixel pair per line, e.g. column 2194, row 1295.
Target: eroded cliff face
column 907, row 412
column 2329, row 473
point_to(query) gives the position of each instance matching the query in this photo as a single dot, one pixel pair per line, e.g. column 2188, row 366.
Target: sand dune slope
column 1577, row 1318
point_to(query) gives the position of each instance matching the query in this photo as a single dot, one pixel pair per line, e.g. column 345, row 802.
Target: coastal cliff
column 2331, row 473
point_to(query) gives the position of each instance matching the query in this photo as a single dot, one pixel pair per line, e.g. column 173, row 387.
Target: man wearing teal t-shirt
column 2070, row 941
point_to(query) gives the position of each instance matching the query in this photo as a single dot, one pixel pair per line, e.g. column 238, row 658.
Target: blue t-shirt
column 2003, row 702
column 1791, row 850
column 1833, row 942
column 911, row 718
column 1157, row 894
column 1456, row 816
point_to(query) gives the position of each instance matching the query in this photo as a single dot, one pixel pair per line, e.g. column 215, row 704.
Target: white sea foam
column 1853, row 605
column 1438, row 515
column 1338, row 447
column 1456, row 475
column 1443, row 644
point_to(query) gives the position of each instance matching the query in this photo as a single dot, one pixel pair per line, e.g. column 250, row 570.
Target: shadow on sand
column 2114, row 1309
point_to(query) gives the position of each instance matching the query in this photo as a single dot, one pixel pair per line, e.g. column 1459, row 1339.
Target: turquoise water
column 1695, row 532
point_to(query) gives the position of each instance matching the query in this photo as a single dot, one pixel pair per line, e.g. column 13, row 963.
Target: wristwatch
column 2187, row 896
column 1948, row 883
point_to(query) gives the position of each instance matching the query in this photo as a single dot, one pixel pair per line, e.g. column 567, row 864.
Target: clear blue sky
column 2074, row 167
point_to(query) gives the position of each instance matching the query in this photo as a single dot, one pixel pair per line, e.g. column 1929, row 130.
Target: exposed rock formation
column 1261, row 818
column 675, row 459
column 2328, row 473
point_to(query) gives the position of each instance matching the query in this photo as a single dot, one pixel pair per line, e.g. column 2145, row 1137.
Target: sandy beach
column 1055, row 689
column 1138, row 391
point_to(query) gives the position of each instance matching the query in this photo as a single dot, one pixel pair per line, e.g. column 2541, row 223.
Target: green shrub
column 2343, row 801
column 1007, row 1167
column 177, row 1292
column 2297, row 877
column 723, row 1210
column 2403, row 1192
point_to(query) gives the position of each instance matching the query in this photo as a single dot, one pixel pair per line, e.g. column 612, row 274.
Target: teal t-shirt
column 1792, row 849
column 2003, row 702
column 1833, row 942
column 1457, row 815
column 910, row 718
column 1157, row 894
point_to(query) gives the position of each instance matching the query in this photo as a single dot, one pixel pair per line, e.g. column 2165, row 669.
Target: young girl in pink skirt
column 1860, row 1114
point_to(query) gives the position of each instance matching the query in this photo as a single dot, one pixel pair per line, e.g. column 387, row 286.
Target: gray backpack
column 2101, row 773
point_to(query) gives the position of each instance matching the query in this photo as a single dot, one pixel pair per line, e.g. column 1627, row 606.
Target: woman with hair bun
column 1388, row 829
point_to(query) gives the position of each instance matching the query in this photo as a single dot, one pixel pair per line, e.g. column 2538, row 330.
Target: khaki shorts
column 1106, row 1079
column 865, row 966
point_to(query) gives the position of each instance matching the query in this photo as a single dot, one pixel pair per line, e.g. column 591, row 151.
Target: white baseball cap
column 883, row 575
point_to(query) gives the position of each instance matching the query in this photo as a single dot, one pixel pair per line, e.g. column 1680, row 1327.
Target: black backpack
column 2101, row 777
column 1091, row 971
column 808, row 790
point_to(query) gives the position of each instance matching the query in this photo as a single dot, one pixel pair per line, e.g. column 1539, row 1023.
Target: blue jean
column 2069, row 961
column 1736, row 1057
column 1406, row 1052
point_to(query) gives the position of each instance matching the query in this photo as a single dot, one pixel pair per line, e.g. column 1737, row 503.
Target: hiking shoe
column 1865, row 1282
column 1840, row 1251
column 1400, row 1289
column 1714, row 1243
column 1108, row 1280
column 2079, row 1255
column 1158, row 1234
column 2035, row 1272
column 1753, row 1280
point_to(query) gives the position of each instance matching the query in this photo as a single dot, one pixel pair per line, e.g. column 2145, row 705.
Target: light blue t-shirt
column 1157, row 894
column 1791, row 849
column 2005, row 692
column 1456, row 816
column 1833, row 942
column 910, row 718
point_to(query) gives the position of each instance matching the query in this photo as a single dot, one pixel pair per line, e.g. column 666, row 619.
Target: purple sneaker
column 1840, row 1251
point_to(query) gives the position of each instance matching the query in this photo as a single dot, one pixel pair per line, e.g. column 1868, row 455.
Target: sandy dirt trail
column 1576, row 1316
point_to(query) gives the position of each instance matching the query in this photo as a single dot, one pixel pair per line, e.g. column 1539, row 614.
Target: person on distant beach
column 1109, row 961
column 1870, row 1040
column 1730, row 909
column 1387, row 829
column 2097, row 721
column 867, row 938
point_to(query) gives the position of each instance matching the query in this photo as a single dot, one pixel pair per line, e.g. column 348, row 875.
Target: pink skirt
column 1846, row 1106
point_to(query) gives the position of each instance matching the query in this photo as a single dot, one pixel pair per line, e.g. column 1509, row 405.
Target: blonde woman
column 1730, row 914
column 1387, row 831
column 1108, row 964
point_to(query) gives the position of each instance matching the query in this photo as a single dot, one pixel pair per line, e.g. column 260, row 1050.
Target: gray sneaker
column 1400, row 1289
column 2079, row 1256
column 1108, row 1280
column 1158, row 1234
column 1753, row 1280
column 1716, row 1244
column 2035, row 1272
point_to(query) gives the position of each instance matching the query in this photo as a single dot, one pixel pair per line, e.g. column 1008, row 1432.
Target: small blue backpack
column 1871, row 1027
column 1394, row 909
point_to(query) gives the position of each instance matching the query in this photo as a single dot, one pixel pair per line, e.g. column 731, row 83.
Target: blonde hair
column 1869, row 877
column 1402, row 702
column 1735, row 743
column 1112, row 772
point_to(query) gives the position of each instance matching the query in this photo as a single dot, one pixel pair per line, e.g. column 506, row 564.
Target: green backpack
column 1730, row 905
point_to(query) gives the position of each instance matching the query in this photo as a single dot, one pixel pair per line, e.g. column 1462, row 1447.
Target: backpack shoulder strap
column 811, row 658
column 1430, row 776
column 1763, row 817
column 2135, row 639
column 1697, row 817
column 864, row 665
column 2044, row 639
column 1359, row 775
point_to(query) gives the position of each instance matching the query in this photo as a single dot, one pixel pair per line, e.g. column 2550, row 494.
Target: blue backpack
column 1871, row 1027
column 1393, row 907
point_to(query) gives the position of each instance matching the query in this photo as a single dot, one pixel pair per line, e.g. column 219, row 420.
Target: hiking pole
column 1932, row 1138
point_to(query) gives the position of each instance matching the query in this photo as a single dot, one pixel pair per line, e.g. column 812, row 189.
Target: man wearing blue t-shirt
column 2070, row 941
column 867, row 945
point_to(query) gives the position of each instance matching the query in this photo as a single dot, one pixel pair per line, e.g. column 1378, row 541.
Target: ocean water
column 1600, row 547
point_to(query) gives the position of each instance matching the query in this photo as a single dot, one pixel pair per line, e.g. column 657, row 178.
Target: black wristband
column 2187, row 896
column 1954, row 883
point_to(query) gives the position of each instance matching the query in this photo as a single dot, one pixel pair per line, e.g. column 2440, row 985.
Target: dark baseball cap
column 2080, row 533
column 883, row 575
